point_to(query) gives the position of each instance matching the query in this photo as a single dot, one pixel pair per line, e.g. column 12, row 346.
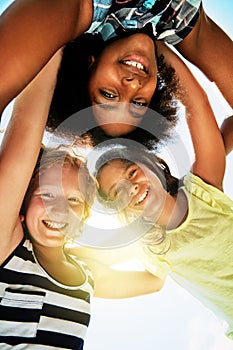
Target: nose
column 58, row 210
column 133, row 190
column 134, row 81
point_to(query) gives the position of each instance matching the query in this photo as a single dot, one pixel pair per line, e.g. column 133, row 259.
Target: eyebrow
column 111, row 106
column 60, row 188
column 76, row 193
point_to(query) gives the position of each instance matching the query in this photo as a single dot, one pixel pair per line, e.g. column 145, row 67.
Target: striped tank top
column 38, row 312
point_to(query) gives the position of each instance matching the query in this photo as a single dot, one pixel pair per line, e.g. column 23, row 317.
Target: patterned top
column 35, row 310
column 171, row 20
column 200, row 257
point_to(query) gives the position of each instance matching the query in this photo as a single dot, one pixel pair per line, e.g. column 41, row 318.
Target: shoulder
column 209, row 195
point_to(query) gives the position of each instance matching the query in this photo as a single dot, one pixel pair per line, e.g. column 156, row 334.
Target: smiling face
column 137, row 188
column 126, row 71
column 56, row 206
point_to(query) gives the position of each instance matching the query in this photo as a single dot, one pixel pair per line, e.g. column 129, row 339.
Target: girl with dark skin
column 32, row 31
column 77, row 87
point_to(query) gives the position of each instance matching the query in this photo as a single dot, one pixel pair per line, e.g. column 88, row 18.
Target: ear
column 91, row 60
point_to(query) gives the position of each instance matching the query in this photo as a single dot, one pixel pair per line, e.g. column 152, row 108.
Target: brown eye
column 132, row 172
column 139, row 104
column 47, row 195
column 107, row 95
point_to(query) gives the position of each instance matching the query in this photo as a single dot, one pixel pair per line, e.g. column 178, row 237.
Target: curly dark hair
column 71, row 93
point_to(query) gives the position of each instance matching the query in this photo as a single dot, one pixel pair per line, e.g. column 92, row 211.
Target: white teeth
column 54, row 225
column 142, row 197
column 135, row 64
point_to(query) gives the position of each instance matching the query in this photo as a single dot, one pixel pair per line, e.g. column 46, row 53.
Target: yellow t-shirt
column 200, row 257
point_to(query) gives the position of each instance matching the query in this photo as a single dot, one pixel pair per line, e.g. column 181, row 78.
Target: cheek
column 157, row 192
column 35, row 207
column 76, row 214
column 117, row 122
column 97, row 77
column 157, row 198
column 150, row 88
column 79, row 212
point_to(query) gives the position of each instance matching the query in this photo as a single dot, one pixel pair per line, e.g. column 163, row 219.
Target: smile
column 138, row 65
column 54, row 225
column 142, row 197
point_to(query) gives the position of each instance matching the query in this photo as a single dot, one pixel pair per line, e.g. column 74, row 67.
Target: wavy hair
column 155, row 240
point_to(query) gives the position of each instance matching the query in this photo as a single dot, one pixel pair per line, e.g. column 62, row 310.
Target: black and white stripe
column 38, row 312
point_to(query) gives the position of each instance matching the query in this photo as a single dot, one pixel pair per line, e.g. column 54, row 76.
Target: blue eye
column 47, row 195
column 107, row 95
column 75, row 200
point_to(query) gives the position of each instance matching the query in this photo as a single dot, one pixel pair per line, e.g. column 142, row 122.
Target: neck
column 47, row 255
column 175, row 211
column 56, row 264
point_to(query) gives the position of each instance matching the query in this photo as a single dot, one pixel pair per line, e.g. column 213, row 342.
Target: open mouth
column 136, row 61
column 142, row 197
column 54, row 225
column 138, row 65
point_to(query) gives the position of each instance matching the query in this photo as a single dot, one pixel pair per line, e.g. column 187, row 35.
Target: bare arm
column 20, row 148
column 227, row 134
column 206, row 137
column 31, row 31
column 211, row 50
column 115, row 284
column 111, row 283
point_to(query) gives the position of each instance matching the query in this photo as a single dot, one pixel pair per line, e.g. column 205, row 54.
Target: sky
column 171, row 318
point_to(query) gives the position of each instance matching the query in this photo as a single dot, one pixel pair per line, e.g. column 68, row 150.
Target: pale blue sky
column 170, row 319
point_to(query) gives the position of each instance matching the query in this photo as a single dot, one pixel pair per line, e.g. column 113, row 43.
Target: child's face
column 126, row 71
column 136, row 187
column 56, row 207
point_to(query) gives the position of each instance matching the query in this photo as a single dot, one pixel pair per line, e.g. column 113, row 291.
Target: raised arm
column 31, row 31
column 227, row 134
column 20, row 148
column 211, row 50
column 206, row 137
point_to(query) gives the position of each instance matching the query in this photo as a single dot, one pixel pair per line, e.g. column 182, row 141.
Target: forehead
column 116, row 165
column 59, row 175
column 113, row 171
column 126, row 116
